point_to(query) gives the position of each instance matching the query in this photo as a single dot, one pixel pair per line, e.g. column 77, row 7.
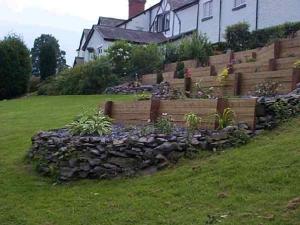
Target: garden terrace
column 247, row 69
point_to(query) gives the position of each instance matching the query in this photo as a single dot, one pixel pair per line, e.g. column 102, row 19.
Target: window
column 238, row 3
column 100, row 50
column 167, row 22
column 162, row 22
column 207, row 9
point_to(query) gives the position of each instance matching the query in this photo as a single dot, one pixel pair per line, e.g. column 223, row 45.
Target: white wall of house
column 231, row 16
column 96, row 42
column 140, row 22
column 275, row 12
column 188, row 18
column 209, row 25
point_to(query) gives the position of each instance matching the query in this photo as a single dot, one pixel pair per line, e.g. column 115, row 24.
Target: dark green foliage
column 180, row 70
column 195, row 47
column 238, row 36
column 264, row 36
column 159, row 77
column 15, row 67
column 48, row 63
column 134, row 60
column 90, row 78
column 120, row 55
column 171, row 53
column 146, row 59
column 39, row 43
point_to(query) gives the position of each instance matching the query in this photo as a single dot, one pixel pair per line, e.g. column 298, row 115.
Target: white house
column 172, row 19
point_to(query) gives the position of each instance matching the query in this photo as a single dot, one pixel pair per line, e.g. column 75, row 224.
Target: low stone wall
column 123, row 153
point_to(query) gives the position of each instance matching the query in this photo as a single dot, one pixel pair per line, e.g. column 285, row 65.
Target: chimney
column 136, row 7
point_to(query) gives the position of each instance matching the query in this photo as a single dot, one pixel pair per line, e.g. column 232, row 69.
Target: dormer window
column 162, row 22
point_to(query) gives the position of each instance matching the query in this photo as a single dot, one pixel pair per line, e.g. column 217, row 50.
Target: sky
column 64, row 19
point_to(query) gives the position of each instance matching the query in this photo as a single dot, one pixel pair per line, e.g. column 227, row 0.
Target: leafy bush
column 164, row 124
column 192, row 121
column 146, row 59
column 91, row 78
column 15, row 67
column 171, row 53
column 91, row 124
column 195, row 47
column 267, row 89
column 180, row 70
column 238, row 36
column 120, row 55
column 225, row 119
column 264, row 36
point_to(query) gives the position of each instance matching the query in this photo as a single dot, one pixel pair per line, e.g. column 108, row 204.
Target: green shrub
column 180, row 70
column 192, row 121
column 146, row 59
column 164, row 124
column 171, row 53
column 15, row 67
column 238, row 36
column 264, row 36
column 91, row 78
column 225, row 119
column 120, row 55
column 91, row 124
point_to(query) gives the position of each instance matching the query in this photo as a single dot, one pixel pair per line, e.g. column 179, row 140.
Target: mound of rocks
column 125, row 152
column 129, row 89
column 272, row 110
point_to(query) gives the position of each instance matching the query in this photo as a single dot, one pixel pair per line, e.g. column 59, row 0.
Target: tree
column 47, row 39
column 15, row 67
column 48, row 61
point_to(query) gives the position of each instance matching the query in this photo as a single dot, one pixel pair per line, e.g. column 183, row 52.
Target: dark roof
column 116, row 33
column 177, row 4
column 85, row 34
column 107, row 21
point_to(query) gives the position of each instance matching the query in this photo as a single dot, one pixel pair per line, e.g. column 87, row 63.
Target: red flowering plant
column 188, row 73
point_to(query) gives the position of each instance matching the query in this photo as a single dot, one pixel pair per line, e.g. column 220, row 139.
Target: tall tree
column 47, row 39
column 15, row 67
column 48, row 61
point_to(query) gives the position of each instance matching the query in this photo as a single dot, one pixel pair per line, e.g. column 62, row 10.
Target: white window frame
column 208, row 9
column 100, row 50
column 238, row 3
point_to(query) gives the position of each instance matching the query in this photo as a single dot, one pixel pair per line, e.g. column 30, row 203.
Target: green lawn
column 259, row 179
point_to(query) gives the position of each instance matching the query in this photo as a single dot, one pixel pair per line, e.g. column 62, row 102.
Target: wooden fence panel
column 205, row 108
column 244, row 110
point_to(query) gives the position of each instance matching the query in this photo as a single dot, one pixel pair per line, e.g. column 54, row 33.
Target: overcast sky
column 65, row 19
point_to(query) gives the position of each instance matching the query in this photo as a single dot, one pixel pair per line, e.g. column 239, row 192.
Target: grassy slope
column 260, row 179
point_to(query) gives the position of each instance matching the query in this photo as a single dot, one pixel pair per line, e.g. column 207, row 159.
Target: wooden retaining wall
column 250, row 80
column 290, row 47
column 141, row 112
column 187, row 63
column 244, row 110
